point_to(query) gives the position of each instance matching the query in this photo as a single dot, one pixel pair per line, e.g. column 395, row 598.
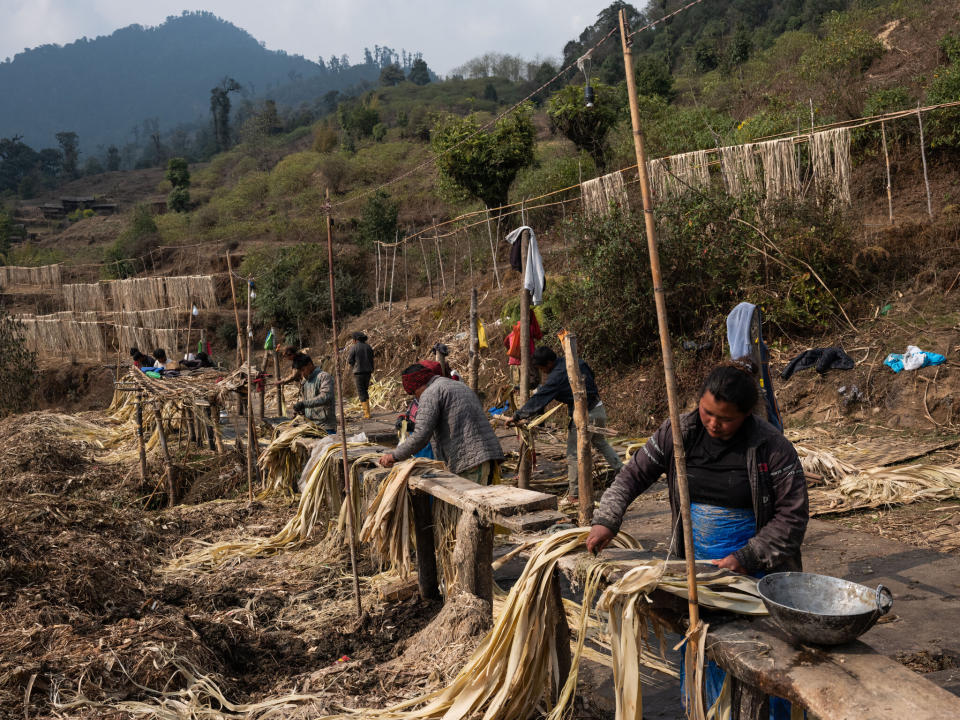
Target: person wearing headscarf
column 450, row 413
column 361, row 360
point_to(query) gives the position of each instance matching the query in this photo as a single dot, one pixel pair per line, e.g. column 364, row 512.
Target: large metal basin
column 821, row 609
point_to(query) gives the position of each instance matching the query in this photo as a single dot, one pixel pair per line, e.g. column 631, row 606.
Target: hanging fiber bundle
column 602, row 192
column 738, row 165
column 184, row 291
column 830, row 152
column 691, row 170
column 662, row 183
column 781, row 180
column 13, row 278
column 84, row 296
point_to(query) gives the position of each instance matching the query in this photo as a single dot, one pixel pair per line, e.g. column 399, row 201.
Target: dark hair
column 204, row 359
column 543, row 356
column 733, row 382
column 359, row 336
column 134, row 352
column 160, row 354
column 290, row 350
column 301, row 360
column 416, row 367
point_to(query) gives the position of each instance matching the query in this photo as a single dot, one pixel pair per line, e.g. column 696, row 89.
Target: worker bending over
column 450, row 412
column 316, row 392
column 555, row 385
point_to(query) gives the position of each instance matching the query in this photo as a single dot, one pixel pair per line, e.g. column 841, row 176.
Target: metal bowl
column 821, row 609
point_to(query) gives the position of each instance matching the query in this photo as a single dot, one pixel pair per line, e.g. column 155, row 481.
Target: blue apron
column 718, row 532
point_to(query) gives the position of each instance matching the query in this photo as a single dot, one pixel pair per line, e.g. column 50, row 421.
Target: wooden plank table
column 843, row 682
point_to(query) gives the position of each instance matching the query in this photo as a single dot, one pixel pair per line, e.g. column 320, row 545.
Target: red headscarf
column 416, row 376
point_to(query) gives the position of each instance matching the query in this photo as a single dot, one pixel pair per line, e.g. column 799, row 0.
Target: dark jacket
column 777, row 485
column 557, row 387
column 361, row 358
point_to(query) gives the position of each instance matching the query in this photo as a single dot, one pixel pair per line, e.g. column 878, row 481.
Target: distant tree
column 113, row 158
column 419, row 72
column 71, row 152
column 379, row 132
column 484, row 163
column 391, row 75
column 490, row 92
column 178, row 173
column 587, row 128
column 93, row 166
column 378, row 220
column 357, row 119
column 220, row 111
column 654, row 78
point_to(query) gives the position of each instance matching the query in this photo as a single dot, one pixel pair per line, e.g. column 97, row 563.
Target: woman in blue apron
column 748, row 495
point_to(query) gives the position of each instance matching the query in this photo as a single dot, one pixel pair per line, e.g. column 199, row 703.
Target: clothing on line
column 535, row 279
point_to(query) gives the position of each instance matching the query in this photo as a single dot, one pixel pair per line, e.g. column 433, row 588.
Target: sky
column 447, row 32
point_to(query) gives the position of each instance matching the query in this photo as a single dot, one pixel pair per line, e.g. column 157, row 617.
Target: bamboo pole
column 141, row 445
column 524, row 468
column 351, row 534
column 406, row 281
column 393, row 271
column 581, row 418
column 436, row 240
column 168, row 461
column 251, row 438
column 474, row 343
column 923, row 156
column 493, row 251
column 276, row 373
column 189, row 328
column 673, row 400
column 376, row 279
column 426, row 265
column 886, row 157
column 236, row 313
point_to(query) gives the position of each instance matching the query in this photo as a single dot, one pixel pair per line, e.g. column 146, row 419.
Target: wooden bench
column 844, row 682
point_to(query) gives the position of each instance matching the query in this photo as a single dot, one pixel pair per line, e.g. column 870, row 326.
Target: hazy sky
column 447, row 32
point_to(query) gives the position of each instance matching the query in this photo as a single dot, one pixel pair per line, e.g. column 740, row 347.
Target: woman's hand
column 599, row 537
column 730, row 563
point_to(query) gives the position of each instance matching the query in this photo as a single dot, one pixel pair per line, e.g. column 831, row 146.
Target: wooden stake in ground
column 393, row 271
column 426, row 266
column 251, row 436
column 189, row 328
column 923, row 156
column 436, row 240
column 474, row 343
column 886, row 157
column 276, row 373
column 493, row 250
column 168, row 461
column 351, row 533
column 141, row 445
column 236, row 313
column 581, row 418
column 526, row 460
column 673, row 401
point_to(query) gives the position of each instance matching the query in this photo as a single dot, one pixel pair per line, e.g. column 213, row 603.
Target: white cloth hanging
column 534, row 279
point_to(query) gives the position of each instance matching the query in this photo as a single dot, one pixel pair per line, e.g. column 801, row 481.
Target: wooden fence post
column 581, row 417
column 276, row 373
column 141, row 445
column 168, row 461
column 426, row 265
column 886, row 157
column 923, row 156
column 524, row 469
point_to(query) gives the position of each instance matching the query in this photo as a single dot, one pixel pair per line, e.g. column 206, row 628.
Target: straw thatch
column 14, row 278
column 84, row 296
column 63, row 337
column 781, row 179
column 830, row 152
column 601, row 193
column 738, row 166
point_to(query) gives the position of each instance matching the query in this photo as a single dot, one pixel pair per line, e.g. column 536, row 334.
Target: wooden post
column 376, row 280
column 141, row 445
column 474, row 343
column 524, row 469
column 561, row 631
column 923, row 156
column 473, row 556
column 189, row 328
column 426, row 551
column 351, row 532
column 276, row 373
column 673, row 400
column 168, row 461
column 886, row 157
column 406, row 280
column 210, row 431
column 493, row 250
column 581, row 418
column 236, row 313
column 426, row 265
column 217, row 436
column 393, row 272
column 748, row 703
column 436, row 240
column 251, row 431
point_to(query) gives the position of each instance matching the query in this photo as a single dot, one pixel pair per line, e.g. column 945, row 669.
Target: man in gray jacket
column 317, row 394
column 451, row 412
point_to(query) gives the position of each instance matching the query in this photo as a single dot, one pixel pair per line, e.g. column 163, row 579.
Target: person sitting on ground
column 361, row 360
column 748, row 493
column 555, row 385
column 204, row 360
column 140, row 360
column 161, row 356
column 452, row 415
column 317, row 396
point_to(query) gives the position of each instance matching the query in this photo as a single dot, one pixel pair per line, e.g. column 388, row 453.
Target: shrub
column 134, row 242
column 945, row 87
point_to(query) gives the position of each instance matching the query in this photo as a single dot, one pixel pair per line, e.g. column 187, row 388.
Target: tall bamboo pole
column 923, row 156
column 524, row 469
column 673, row 401
column 474, row 342
column 236, row 313
column 343, row 418
column 886, row 158
column 251, row 437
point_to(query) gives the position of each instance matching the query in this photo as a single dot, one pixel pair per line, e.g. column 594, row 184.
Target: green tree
column 178, row 173
column 378, row 221
column 587, row 128
column 945, row 124
column 419, row 72
column 654, row 78
column 220, row 111
column 490, row 92
column 391, row 75
column 71, row 153
column 483, row 162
